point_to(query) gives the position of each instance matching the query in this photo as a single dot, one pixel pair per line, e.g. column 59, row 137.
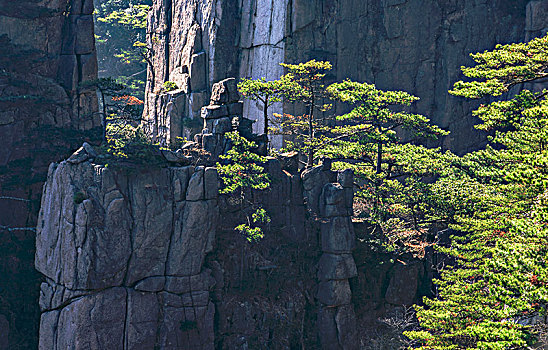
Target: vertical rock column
column 336, row 318
column 331, row 203
column 123, row 257
column 192, row 44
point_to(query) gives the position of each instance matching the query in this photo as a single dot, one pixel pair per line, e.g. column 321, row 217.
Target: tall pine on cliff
column 500, row 281
column 306, row 84
column 391, row 171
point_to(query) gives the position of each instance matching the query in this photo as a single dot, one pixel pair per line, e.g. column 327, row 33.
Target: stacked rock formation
column 336, row 318
column 223, row 112
column 123, row 255
column 333, row 202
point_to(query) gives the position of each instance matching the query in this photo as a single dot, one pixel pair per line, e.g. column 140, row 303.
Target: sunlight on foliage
column 242, row 171
column 500, row 281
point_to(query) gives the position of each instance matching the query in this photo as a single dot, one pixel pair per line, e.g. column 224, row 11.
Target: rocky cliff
column 123, row 255
column 148, row 258
column 46, row 50
column 412, row 45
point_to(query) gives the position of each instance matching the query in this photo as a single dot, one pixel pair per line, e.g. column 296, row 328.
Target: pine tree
column 267, row 93
column 391, row 171
column 309, row 89
column 500, row 280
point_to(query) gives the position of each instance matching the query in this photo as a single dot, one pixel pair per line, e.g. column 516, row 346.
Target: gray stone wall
column 123, row 255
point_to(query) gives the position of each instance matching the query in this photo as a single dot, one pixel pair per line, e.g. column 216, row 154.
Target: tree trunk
column 379, row 157
column 310, row 161
column 104, row 115
column 265, row 116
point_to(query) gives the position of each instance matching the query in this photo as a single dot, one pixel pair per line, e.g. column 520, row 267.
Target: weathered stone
column 221, row 126
column 89, row 149
column 198, row 139
column 334, row 293
column 198, row 81
column 142, row 320
column 313, row 180
column 7, row 117
column 4, row 333
column 332, row 201
column 81, row 7
column 175, row 157
column 79, row 237
column 211, row 183
column 209, row 143
column 336, row 267
column 48, row 330
column 85, row 41
column 194, row 231
column 338, row 235
column 214, row 112
column 189, row 145
column 244, row 126
column 289, row 161
column 93, row 320
column 180, row 178
column 196, row 191
column 537, row 12
column 236, row 108
column 183, row 285
column 170, row 156
column 346, row 321
column 79, row 156
column 151, row 225
column 151, row 284
column 346, row 178
column 185, row 327
column 224, row 92
column 327, row 328
column 196, row 101
column 402, row 289
column 88, row 68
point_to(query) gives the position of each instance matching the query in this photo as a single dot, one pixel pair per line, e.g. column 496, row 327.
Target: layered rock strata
column 123, row 254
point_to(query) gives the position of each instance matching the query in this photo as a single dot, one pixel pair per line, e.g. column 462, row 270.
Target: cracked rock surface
column 123, row 255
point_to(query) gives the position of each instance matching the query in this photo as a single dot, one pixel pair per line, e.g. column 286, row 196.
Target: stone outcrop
column 123, row 254
column 412, row 45
column 198, row 43
column 46, row 51
column 336, row 316
column 222, row 115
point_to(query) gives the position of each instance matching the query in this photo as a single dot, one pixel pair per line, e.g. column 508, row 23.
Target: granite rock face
column 123, row 255
column 412, row 45
column 197, row 43
column 46, row 50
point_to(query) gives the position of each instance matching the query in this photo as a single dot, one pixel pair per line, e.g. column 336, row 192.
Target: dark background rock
column 46, row 52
